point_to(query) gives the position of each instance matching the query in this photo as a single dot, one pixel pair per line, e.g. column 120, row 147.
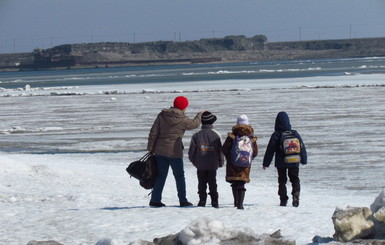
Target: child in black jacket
column 285, row 168
column 205, row 154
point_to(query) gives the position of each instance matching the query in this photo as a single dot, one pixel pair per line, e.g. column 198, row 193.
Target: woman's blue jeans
column 163, row 163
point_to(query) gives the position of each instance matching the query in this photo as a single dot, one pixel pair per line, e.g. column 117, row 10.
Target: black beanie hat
column 208, row 118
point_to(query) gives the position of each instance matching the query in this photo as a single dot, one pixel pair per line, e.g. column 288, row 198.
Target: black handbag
column 144, row 170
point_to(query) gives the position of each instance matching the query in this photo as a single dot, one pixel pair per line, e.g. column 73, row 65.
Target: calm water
column 186, row 73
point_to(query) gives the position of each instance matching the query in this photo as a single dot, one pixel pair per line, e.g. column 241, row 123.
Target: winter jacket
column 166, row 133
column 205, row 150
column 235, row 173
column 282, row 124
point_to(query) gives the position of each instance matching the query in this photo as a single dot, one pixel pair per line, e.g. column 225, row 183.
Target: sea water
column 256, row 71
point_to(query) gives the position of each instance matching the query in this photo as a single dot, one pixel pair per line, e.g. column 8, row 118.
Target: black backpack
column 144, row 170
column 291, row 147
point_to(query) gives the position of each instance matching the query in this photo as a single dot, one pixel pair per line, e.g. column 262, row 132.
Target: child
column 284, row 168
column 237, row 175
column 205, row 154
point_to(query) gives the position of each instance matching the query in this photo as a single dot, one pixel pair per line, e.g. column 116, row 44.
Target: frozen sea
column 66, row 138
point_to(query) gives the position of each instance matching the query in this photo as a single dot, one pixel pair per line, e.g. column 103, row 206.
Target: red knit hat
column 181, row 102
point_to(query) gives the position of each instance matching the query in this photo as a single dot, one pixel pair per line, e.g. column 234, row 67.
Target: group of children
column 207, row 154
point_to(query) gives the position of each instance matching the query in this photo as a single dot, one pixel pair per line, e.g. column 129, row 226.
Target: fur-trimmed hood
column 240, row 130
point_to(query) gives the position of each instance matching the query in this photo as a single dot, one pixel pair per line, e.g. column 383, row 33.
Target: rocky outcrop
column 352, row 223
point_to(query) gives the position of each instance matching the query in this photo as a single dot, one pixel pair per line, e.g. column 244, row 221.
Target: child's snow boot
column 235, row 195
column 214, row 200
column 241, row 197
column 283, row 202
column 296, row 200
column 202, row 200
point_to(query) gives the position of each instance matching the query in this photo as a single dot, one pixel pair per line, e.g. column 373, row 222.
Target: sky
column 27, row 24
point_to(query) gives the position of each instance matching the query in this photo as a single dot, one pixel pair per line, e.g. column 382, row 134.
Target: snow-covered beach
column 63, row 158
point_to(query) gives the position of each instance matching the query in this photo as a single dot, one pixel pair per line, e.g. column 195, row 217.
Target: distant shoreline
column 231, row 49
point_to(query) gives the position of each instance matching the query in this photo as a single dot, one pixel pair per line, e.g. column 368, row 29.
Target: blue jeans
column 163, row 164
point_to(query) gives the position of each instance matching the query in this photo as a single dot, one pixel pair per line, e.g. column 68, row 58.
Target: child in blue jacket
column 285, row 169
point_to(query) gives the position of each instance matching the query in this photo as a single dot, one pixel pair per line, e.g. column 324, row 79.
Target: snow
column 63, row 160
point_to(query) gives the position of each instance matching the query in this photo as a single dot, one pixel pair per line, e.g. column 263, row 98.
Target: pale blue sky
column 28, row 24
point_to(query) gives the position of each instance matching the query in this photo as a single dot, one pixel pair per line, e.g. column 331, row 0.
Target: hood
column 282, row 122
column 173, row 115
column 242, row 129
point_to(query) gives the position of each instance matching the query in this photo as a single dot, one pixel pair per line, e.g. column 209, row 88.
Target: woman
column 165, row 141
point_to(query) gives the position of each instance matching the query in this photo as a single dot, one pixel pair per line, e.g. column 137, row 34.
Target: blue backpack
column 241, row 153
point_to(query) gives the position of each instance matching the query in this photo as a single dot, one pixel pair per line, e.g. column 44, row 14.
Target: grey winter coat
column 205, row 149
column 166, row 133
